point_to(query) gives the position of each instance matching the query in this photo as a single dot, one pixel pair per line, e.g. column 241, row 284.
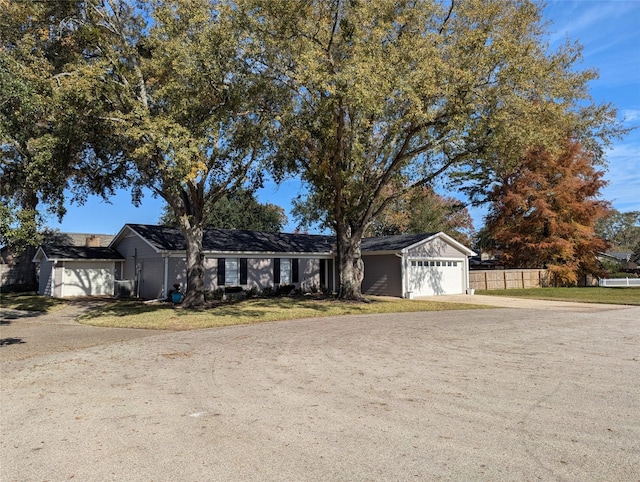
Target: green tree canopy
column 425, row 211
column 42, row 148
column 620, row 229
column 238, row 210
column 400, row 93
column 178, row 107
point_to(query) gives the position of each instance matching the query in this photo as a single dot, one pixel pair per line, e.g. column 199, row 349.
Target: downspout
column 165, row 292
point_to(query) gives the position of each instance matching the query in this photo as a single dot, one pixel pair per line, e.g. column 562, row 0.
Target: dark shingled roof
column 392, row 243
column 80, row 252
column 235, row 240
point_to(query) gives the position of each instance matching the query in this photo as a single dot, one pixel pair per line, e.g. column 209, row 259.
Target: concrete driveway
column 531, row 393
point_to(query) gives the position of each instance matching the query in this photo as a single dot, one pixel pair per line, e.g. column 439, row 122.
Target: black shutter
column 295, row 271
column 243, row 271
column 221, row 272
column 323, row 273
column 276, row 271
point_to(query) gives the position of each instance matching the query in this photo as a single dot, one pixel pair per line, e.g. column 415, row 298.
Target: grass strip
column 164, row 316
column 29, row 301
column 594, row 294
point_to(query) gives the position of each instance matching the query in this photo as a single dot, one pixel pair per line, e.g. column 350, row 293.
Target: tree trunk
column 350, row 265
column 194, row 297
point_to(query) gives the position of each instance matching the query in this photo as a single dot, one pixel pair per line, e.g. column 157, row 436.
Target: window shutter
column 221, row 262
column 295, row 271
column 323, row 273
column 276, row 271
column 243, row 271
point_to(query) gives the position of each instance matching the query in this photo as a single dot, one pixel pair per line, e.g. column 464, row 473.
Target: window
column 285, row 271
column 232, row 271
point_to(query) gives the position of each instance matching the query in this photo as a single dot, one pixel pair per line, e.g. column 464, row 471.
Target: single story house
column 624, row 259
column 147, row 260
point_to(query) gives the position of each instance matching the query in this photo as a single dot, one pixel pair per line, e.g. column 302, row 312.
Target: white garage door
column 442, row 277
column 87, row 279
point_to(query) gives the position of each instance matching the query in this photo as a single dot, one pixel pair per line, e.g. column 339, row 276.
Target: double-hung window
column 285, row 271
column 232, row 271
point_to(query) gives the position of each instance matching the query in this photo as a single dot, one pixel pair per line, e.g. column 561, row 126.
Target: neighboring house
column 151, row 259
column 622, row 258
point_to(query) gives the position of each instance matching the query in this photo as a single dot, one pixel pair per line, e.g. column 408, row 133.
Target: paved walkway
column 25, row 334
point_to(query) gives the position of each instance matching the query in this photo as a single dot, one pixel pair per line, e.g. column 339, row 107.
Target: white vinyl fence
column 618, row 282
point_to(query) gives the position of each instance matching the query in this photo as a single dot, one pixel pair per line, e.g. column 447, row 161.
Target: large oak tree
column 387, row 93
column 42, row 144
column 187, row 113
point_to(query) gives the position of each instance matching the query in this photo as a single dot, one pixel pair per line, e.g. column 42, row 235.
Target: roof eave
column 449, row 239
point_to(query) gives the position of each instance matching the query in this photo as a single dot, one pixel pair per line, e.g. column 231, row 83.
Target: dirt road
column 500, row 394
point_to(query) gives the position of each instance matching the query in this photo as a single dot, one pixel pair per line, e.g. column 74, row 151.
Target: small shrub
column 268, row 292
column 251, row 292
column 285, row 290
column 216, row 295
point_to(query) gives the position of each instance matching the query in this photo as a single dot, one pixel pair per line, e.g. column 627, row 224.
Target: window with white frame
column 285, row 271
column 231, row 272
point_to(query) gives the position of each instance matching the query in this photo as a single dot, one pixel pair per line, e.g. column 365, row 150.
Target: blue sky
column 609, row 31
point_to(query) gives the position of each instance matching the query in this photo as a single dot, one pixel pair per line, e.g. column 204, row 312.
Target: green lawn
column 29, row 301
column 615, row 296
column 164, row 316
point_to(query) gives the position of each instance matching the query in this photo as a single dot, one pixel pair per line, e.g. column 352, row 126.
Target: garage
column 88, row 279
column 436, row 277
column 70, row 271
column 410, row 265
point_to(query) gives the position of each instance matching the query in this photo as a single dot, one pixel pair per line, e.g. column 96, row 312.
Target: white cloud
column 630, row 115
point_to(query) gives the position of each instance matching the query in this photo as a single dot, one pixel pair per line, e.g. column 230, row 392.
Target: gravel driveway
column 531, row 393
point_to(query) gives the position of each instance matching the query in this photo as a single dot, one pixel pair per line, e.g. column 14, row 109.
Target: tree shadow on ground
column 11, row 341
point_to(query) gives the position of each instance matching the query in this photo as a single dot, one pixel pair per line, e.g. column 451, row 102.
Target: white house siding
column 309, row 274
column 382, row 275
column 58, row 274
column 436, row 248
column 260, row 273
column 44, row 281
column 210, row 273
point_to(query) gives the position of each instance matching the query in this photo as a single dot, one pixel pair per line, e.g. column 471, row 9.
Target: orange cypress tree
column 544, row 211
